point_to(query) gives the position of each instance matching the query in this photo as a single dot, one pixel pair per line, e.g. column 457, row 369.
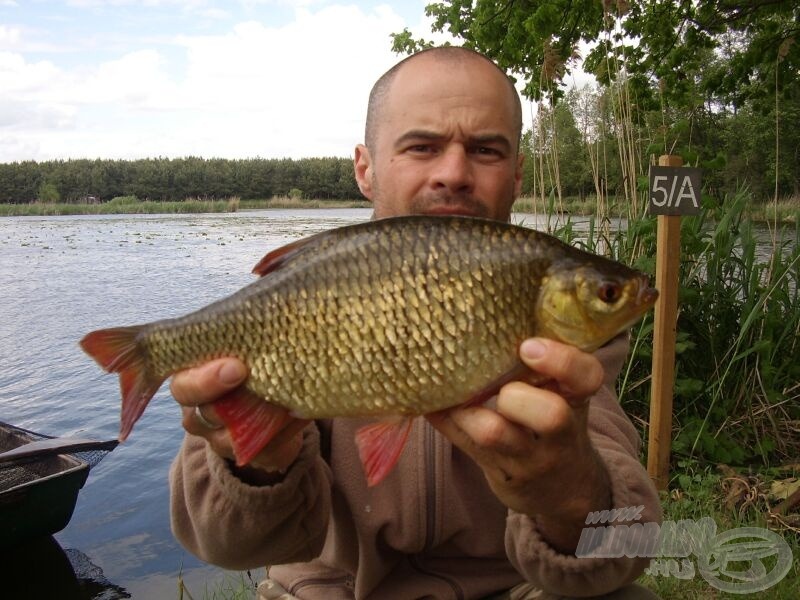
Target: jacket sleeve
column 617, row 442
column 227, row 522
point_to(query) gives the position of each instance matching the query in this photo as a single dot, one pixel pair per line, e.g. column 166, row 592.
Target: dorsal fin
column 275, row 259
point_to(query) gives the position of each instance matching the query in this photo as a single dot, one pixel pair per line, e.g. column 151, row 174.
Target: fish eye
column 609, row 292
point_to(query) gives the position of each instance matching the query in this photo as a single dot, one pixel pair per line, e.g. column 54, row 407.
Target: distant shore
column 192, row 205
column 784, row 211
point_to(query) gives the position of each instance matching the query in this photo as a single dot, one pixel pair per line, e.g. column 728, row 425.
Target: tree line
column 175, row 179
column 737, row 149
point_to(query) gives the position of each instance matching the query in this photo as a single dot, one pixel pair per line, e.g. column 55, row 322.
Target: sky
column 238, row 79
column 244, row 78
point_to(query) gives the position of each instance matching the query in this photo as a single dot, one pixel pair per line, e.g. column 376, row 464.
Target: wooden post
column 664, row 335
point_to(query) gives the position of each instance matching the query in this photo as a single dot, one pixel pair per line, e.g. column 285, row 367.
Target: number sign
column 674, row 191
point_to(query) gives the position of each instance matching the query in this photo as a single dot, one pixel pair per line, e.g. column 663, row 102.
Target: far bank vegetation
column 588, row 153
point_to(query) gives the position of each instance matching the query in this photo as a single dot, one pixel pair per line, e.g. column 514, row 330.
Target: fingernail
column 230, row 373
column 532, row 349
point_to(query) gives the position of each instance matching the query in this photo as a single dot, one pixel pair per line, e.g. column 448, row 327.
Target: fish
column 391, row 319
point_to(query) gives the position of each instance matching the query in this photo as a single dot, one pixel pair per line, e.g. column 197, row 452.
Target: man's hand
column 200, row 387
column 534, row 448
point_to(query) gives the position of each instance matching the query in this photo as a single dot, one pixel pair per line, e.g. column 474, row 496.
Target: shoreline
column 785, row 212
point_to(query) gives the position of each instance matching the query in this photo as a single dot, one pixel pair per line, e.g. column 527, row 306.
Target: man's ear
column 363, row 168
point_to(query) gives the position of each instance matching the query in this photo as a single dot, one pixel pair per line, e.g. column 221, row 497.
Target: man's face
column 446, row 143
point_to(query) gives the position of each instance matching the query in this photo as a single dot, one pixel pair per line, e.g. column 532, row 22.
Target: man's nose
column 453, row 170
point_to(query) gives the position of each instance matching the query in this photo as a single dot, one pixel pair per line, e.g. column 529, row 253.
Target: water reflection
column 69, row 574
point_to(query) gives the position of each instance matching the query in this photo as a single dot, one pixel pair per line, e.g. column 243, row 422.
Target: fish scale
column 351, row 320
column 396, row 317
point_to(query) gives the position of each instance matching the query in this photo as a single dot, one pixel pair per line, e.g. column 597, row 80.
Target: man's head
column 442, row 136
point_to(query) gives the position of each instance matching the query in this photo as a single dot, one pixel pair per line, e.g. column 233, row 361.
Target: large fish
column 393, row 318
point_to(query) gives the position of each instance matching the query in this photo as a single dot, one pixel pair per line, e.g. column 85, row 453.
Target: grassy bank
column 111, row 208
column 299, row 203
column 732, row 499
column 127, row 205
column 783, row 211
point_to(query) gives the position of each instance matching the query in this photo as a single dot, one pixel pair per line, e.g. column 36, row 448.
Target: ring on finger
column 203, row 421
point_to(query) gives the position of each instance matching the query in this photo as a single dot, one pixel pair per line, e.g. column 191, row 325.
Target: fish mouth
column 647, row 295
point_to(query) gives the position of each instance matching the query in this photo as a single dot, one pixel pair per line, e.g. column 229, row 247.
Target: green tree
column 678, row 76
column 654, row 40
column 48, row 192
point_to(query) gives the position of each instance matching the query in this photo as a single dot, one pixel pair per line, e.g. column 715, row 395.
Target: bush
column 48, row 193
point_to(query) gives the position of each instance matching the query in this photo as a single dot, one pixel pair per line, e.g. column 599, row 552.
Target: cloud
column 9, row 36
column 188, row 4
column 255, row 90
column 300, row 86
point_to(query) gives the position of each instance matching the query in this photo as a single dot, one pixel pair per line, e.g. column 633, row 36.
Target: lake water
column 61, row 277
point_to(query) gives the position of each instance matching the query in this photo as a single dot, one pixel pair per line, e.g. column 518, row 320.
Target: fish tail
column 117, row 350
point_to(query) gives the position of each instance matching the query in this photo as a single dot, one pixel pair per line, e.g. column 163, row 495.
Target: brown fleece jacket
column 431, row 529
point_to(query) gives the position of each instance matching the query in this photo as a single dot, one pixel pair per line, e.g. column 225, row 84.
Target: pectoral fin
column 252, row 423
column 274, row 260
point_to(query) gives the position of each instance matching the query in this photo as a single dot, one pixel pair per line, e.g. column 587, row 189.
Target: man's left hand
column 534, row 448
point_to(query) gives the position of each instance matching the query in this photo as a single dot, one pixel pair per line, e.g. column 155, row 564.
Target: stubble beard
column 438, row 201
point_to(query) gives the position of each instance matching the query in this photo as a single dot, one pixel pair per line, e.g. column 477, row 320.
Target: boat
column 40, row 478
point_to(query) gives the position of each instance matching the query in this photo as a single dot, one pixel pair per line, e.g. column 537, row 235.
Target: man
column 495, row 497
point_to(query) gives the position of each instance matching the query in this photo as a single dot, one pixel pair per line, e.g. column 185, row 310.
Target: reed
column 285, row 202
column 119, row 207
column 737, row 386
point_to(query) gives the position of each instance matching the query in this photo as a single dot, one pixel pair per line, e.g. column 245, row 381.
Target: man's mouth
column 452, row 209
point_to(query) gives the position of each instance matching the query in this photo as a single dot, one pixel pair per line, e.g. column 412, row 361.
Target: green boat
column 40, row 477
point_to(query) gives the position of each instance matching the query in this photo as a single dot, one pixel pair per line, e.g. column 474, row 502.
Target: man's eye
column 487, row 151
column 420, row 148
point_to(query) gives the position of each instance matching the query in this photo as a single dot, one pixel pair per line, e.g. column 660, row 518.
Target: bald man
column 485, row 502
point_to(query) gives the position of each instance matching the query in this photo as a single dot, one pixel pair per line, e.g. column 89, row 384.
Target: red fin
column 380, row 445
column 117, row 351
column 274, row 260
column 252, row 423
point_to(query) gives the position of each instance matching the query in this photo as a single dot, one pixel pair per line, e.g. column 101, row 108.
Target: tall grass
column 738, row 379
column 120, row 205
column 285, row 202
column 132, row 205
column 785, row 210
column 737, row 385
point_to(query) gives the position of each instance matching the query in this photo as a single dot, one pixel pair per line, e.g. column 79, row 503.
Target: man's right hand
column 200, row 387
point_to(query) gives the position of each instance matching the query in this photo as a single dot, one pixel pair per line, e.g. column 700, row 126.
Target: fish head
column 587, row 304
